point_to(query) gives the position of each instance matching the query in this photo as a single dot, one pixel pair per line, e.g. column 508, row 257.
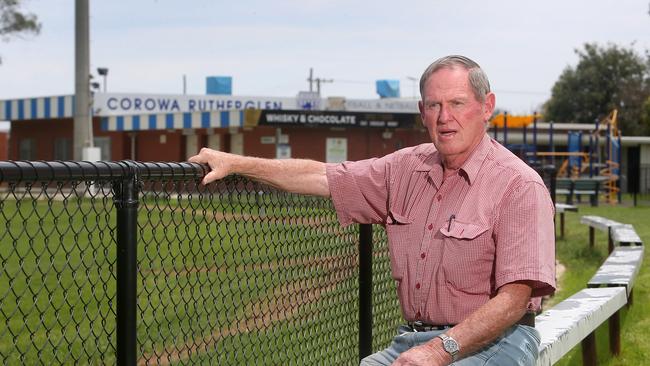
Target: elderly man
column 470, row 226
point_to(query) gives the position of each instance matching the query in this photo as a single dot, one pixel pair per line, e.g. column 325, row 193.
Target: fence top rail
column 31, row 171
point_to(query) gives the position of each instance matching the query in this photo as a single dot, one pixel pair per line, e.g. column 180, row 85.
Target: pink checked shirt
column 453, row 242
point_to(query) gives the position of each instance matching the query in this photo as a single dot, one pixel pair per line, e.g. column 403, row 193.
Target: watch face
column 450, row 346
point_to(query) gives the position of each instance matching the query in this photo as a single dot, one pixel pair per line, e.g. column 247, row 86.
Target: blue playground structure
column 599, row 160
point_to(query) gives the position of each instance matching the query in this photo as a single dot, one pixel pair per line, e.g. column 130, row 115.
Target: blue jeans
column 517, row 346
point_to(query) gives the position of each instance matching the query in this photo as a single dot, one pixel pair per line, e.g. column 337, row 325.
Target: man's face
column 453, row 116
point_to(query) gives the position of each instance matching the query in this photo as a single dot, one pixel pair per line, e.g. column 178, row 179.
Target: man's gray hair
column 478, row 80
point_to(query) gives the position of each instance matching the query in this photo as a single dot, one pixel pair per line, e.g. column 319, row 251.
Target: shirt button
column 417, row 286
column 430, row 227
column 439, row 198
column 423, row 255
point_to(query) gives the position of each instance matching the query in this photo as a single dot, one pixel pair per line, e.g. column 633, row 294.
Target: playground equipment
column 600, row 160
column 610, row 153
column 504, row 121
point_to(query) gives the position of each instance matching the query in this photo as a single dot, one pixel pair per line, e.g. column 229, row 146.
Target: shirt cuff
column 337, row 183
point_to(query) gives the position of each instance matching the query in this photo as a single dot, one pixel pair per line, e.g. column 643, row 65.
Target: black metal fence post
column 126, row 203
column 552, row 172
column 365, row 290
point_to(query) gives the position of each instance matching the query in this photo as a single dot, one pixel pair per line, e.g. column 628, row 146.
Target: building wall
column 305, row 143
column 311, row 143
column 4, row 145
column 644, row 176
column 46, row 132
column 160, row 145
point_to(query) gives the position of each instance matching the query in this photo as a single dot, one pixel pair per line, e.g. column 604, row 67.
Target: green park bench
column 590, row 187
column 577, row 188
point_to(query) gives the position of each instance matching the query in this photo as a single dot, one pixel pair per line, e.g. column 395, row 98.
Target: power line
column 352, row 81
column 522, row 92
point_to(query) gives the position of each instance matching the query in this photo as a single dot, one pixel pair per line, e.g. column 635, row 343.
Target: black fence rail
column 138, row 263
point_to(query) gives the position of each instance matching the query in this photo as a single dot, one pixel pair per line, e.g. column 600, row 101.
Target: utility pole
column 82, row 133
column 318, row 81
column 311, row 78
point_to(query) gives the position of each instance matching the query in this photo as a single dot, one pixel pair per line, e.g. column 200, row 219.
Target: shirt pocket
column 399, row 230
column 468, row 257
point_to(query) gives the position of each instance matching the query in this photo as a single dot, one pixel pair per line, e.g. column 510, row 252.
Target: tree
column 13, row 22
column 645, row 114
column 604, row 79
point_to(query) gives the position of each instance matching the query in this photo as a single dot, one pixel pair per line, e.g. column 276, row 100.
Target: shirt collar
column 433, row 163
column 475, row 160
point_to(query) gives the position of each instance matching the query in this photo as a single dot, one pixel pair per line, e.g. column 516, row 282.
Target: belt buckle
column 417, row 323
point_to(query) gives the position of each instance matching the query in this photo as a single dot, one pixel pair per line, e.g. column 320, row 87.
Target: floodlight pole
column 82, row 132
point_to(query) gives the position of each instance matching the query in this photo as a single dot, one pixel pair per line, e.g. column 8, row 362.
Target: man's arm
column 292, row 175
column 478, row 330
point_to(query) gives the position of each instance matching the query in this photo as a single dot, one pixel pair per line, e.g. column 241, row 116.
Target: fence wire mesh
column 227, row 274
column 57, row 282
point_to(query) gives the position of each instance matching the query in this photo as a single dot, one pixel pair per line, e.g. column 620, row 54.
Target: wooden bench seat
column 575, row 320
column 564, row 187
column 600, row 223
column 590, row 187
column 625, row 234
column 620, row 269
column 561, row 208
column 578, row 187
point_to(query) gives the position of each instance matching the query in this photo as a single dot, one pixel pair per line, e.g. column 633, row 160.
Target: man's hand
column 291, row 175
column 220, row 163
column 428, row 354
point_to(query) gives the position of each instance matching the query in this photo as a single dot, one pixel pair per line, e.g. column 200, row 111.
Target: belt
column 418, row 326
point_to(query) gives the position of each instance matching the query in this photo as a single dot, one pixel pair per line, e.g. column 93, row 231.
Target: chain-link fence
column 138, row 263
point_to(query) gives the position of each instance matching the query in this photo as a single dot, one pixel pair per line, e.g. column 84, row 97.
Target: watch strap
column 450, row 346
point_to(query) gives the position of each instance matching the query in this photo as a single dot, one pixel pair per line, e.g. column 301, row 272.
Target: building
column 159, row 127
column 173, row 127
column 4, row 141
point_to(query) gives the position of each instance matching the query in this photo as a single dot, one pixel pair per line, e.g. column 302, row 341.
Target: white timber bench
column 561, row 208
column 600, row 223
column 625, row 234
column 575, row 320
column 620, row 269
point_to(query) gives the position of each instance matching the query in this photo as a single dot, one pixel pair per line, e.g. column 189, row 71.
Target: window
column 104, row 143
column 27, row 149
column 62, row 149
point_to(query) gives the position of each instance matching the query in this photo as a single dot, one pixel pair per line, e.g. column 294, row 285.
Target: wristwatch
column 450, row 346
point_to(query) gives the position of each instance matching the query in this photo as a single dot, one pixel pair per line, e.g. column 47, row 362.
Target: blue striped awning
column 37, row 108
column 175, row 121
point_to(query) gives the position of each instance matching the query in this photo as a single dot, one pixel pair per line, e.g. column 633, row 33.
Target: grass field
column 219, row 282
column 581, row 263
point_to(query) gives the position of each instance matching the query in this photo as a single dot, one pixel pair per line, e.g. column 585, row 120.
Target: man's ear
column 490, row 102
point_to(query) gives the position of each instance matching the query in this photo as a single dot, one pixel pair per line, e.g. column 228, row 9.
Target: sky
column 268, row 47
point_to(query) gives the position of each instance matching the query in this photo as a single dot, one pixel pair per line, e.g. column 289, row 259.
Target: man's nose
column 444, row 114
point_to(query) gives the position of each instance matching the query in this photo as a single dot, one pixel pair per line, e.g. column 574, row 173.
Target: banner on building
column 334, row 119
